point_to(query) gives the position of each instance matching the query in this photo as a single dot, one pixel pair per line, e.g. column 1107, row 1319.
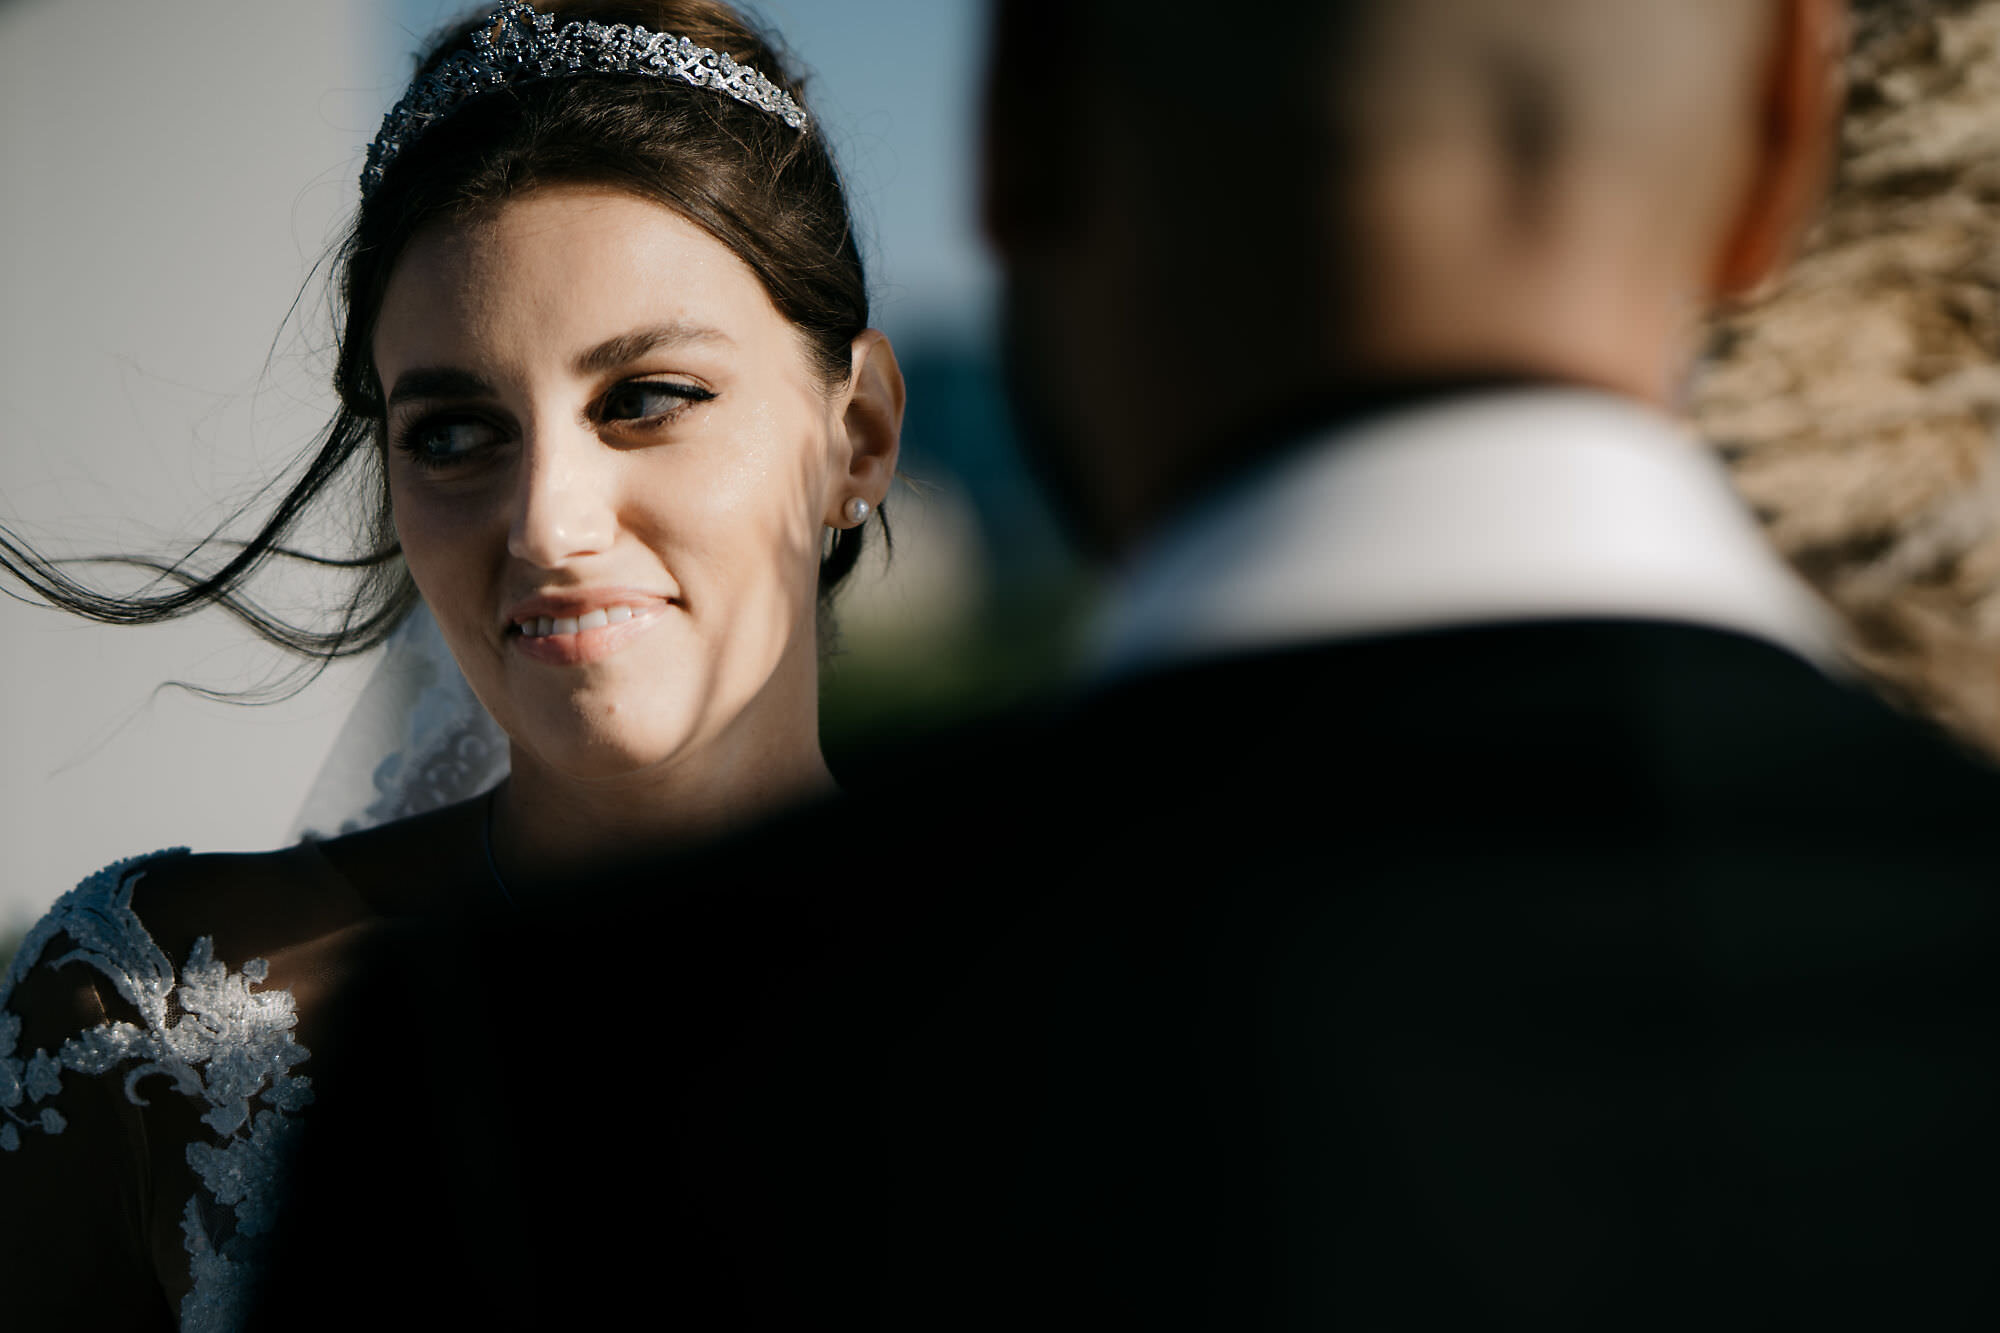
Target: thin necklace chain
column 486, row 837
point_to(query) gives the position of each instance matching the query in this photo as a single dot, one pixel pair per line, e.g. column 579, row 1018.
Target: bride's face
column 611, row 462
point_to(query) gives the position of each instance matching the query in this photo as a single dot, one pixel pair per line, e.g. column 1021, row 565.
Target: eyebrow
column 448, row 382
column 628, row 347
column 438, row 382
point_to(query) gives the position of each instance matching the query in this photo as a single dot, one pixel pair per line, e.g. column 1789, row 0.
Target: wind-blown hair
column 768, row 192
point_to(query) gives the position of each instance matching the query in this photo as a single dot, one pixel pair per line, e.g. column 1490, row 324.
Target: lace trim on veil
column 416, row 740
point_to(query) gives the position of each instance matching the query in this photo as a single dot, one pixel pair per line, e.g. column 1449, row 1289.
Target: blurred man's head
column 1211, row 221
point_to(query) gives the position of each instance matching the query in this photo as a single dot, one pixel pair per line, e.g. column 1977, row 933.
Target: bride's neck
column 548, row 825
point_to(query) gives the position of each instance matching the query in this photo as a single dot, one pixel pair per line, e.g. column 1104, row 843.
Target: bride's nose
column 564, row 508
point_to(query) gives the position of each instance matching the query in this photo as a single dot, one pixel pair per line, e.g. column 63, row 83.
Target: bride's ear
column 872, row 422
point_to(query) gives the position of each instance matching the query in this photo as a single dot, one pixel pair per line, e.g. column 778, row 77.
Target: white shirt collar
column 1529, row 504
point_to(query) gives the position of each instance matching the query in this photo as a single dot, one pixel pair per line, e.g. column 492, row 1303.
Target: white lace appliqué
column 229, row 1049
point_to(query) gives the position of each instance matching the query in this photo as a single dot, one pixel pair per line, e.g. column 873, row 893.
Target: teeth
column 542, row 626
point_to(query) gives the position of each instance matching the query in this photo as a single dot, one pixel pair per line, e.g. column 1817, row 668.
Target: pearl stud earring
column 858, row 510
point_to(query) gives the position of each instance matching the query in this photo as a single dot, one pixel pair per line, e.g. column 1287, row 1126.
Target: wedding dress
column 154, row 1023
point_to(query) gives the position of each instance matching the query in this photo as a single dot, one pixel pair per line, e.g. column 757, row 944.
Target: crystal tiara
column 518, row 45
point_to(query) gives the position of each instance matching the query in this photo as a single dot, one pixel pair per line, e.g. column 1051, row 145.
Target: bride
column 605, row 337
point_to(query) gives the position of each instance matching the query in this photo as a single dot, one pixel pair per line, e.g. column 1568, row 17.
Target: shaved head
column 1603, row 72
column 1616, row 66
column 1640, row 95
column 1637, row 95
column 1312, row 195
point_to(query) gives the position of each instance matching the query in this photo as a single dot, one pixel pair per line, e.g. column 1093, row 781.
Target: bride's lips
column 581, row 627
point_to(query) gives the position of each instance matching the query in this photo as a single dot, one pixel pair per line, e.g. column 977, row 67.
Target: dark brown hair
column 770, row 193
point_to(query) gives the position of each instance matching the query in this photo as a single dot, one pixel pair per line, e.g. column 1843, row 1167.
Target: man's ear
column 1799, row 107
column 872, row 422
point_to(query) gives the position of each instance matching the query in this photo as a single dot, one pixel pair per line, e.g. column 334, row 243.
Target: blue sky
column 895, row 84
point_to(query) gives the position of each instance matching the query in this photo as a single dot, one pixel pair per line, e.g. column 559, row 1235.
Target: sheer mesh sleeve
column 75, row 1178
column 128, row 1087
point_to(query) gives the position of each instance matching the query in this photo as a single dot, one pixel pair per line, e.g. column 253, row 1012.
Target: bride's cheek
column 443, row 536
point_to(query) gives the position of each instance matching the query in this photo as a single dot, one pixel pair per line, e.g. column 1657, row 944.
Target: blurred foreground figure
column 1465, row 895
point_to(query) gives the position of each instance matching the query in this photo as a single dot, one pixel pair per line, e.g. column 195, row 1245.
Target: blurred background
column 170, row 178
column 1857, row 402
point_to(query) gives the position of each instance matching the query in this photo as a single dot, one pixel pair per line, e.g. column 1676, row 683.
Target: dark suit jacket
column 1577, row 975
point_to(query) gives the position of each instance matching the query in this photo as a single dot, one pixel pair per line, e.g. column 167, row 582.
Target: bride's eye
column 439, row 442
column 650, row 401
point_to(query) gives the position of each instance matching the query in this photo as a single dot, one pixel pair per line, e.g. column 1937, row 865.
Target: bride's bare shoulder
column 248, row 904
column 427, row 863
column 137, row 926
column 262, row 903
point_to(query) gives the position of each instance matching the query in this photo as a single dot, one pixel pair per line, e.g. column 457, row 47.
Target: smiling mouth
column 542, row 627
column 580, row 640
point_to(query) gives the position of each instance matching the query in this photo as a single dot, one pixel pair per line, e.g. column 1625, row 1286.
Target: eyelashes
column 649, row 400
column 442, row 440
column 455, row 437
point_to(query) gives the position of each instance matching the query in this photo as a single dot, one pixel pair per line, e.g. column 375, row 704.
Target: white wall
column 169, row 173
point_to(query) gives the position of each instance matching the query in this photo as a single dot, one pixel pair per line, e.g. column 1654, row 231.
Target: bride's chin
column 589, row 761
column 581, row 743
